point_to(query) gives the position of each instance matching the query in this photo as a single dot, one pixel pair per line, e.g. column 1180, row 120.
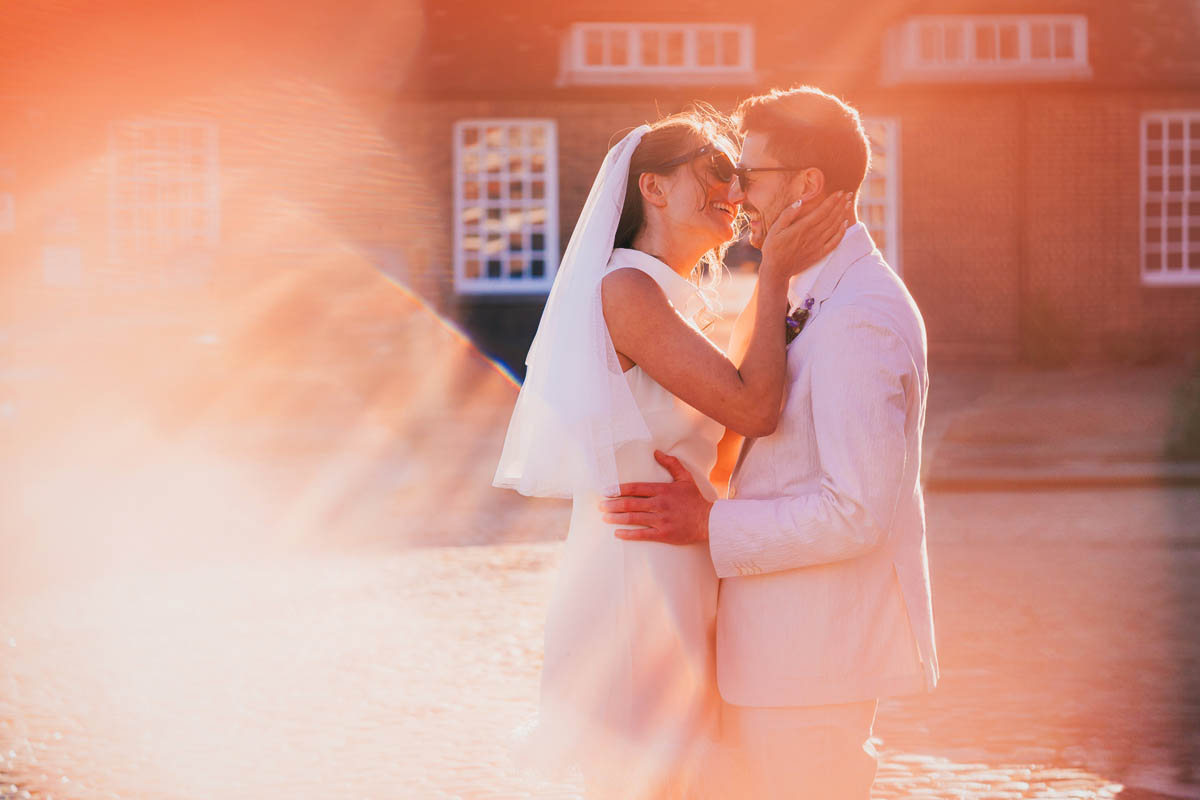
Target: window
column 607, row 53
column 505, row 205
column 1170, row 220
column 164, row 204
column 879, row 200
column 996, row 47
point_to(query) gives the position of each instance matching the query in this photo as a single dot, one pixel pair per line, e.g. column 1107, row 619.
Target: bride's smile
column 725, row 208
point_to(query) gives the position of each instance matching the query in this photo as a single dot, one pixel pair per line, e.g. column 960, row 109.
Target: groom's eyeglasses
column 718, row 161
column 746, row 174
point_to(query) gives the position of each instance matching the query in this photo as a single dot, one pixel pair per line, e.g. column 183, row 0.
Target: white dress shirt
column 801, row 285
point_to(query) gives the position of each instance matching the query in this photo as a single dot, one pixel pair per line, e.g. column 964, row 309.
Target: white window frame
column 890, row 202
column 1188, row 198
column 577, row 70
column 150, row 228
column 508, row 223
column 905, row 61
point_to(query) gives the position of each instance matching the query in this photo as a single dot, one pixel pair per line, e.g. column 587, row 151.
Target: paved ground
column 299, row 585
column 1066, row 626
column 1012, row 427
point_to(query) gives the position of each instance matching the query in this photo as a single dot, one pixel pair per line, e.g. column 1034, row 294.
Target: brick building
column 1019, row 184
column 1037, row 177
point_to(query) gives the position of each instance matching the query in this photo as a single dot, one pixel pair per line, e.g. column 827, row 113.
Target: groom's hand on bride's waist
column 674, row 513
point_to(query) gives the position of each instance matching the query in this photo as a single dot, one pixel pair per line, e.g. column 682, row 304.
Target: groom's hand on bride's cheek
column 673, row 513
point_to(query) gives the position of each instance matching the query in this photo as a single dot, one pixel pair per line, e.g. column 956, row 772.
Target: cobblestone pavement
column 1066, row 623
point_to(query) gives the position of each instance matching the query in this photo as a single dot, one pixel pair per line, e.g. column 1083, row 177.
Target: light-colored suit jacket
column 824, row 595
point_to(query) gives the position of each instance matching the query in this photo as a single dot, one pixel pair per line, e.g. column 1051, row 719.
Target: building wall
column 958, row 211
column 1020, row 223
column 1019, row 218
column 959, row 228
column 1083, row 229
column 1019, row 203
column 300, row 170
column 1018, row 211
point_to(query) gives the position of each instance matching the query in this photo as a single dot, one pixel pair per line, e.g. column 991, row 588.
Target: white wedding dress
column 628, row 691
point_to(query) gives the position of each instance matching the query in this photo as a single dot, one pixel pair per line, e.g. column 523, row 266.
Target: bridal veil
column 575, row 407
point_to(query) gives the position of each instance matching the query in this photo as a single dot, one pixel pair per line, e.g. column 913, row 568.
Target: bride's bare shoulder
column 630, row 288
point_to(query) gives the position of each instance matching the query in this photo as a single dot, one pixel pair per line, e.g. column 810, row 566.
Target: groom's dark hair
column 807, row 127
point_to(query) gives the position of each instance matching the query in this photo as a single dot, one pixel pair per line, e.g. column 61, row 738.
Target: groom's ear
column 653, row 191
column 812, row 184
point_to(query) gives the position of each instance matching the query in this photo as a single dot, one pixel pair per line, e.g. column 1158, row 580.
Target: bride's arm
column 648, row 331
column 744, row 395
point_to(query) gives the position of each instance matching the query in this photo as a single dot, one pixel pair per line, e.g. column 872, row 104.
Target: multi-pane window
column 505, row 205
column 1171, row 198
column 164, row 199
column 879, row 199
column 1044, row 46
column 644, row 52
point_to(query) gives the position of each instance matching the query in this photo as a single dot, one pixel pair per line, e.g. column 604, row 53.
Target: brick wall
column 1018, row 217
column 959, row 218
column 1083, row 226
column 1018, row 212
column 1019, row 224
column 958, row 207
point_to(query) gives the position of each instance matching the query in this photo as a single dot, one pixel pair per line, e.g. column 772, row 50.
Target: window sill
column 672, row 77
column 502, row 294
column 1177, row 281
column 968, row 73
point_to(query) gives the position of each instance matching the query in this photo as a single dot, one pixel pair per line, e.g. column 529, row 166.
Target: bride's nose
column 735, row 193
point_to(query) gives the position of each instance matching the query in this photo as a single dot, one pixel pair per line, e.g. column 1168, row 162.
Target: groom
column 824, row 600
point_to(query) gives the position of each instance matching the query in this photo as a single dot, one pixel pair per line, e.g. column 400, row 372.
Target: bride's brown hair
column 670, row 138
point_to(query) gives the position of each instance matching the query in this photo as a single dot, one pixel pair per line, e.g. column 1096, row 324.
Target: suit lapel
column 856, row 244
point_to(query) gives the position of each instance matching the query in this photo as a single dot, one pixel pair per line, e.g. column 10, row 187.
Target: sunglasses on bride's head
column 717, row 160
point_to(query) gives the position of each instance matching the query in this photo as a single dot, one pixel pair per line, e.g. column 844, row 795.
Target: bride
column 619, row 368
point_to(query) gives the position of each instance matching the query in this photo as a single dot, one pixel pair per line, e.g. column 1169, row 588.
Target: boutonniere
column 797, row 318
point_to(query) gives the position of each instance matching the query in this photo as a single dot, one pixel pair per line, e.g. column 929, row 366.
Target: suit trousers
column 801, row 753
